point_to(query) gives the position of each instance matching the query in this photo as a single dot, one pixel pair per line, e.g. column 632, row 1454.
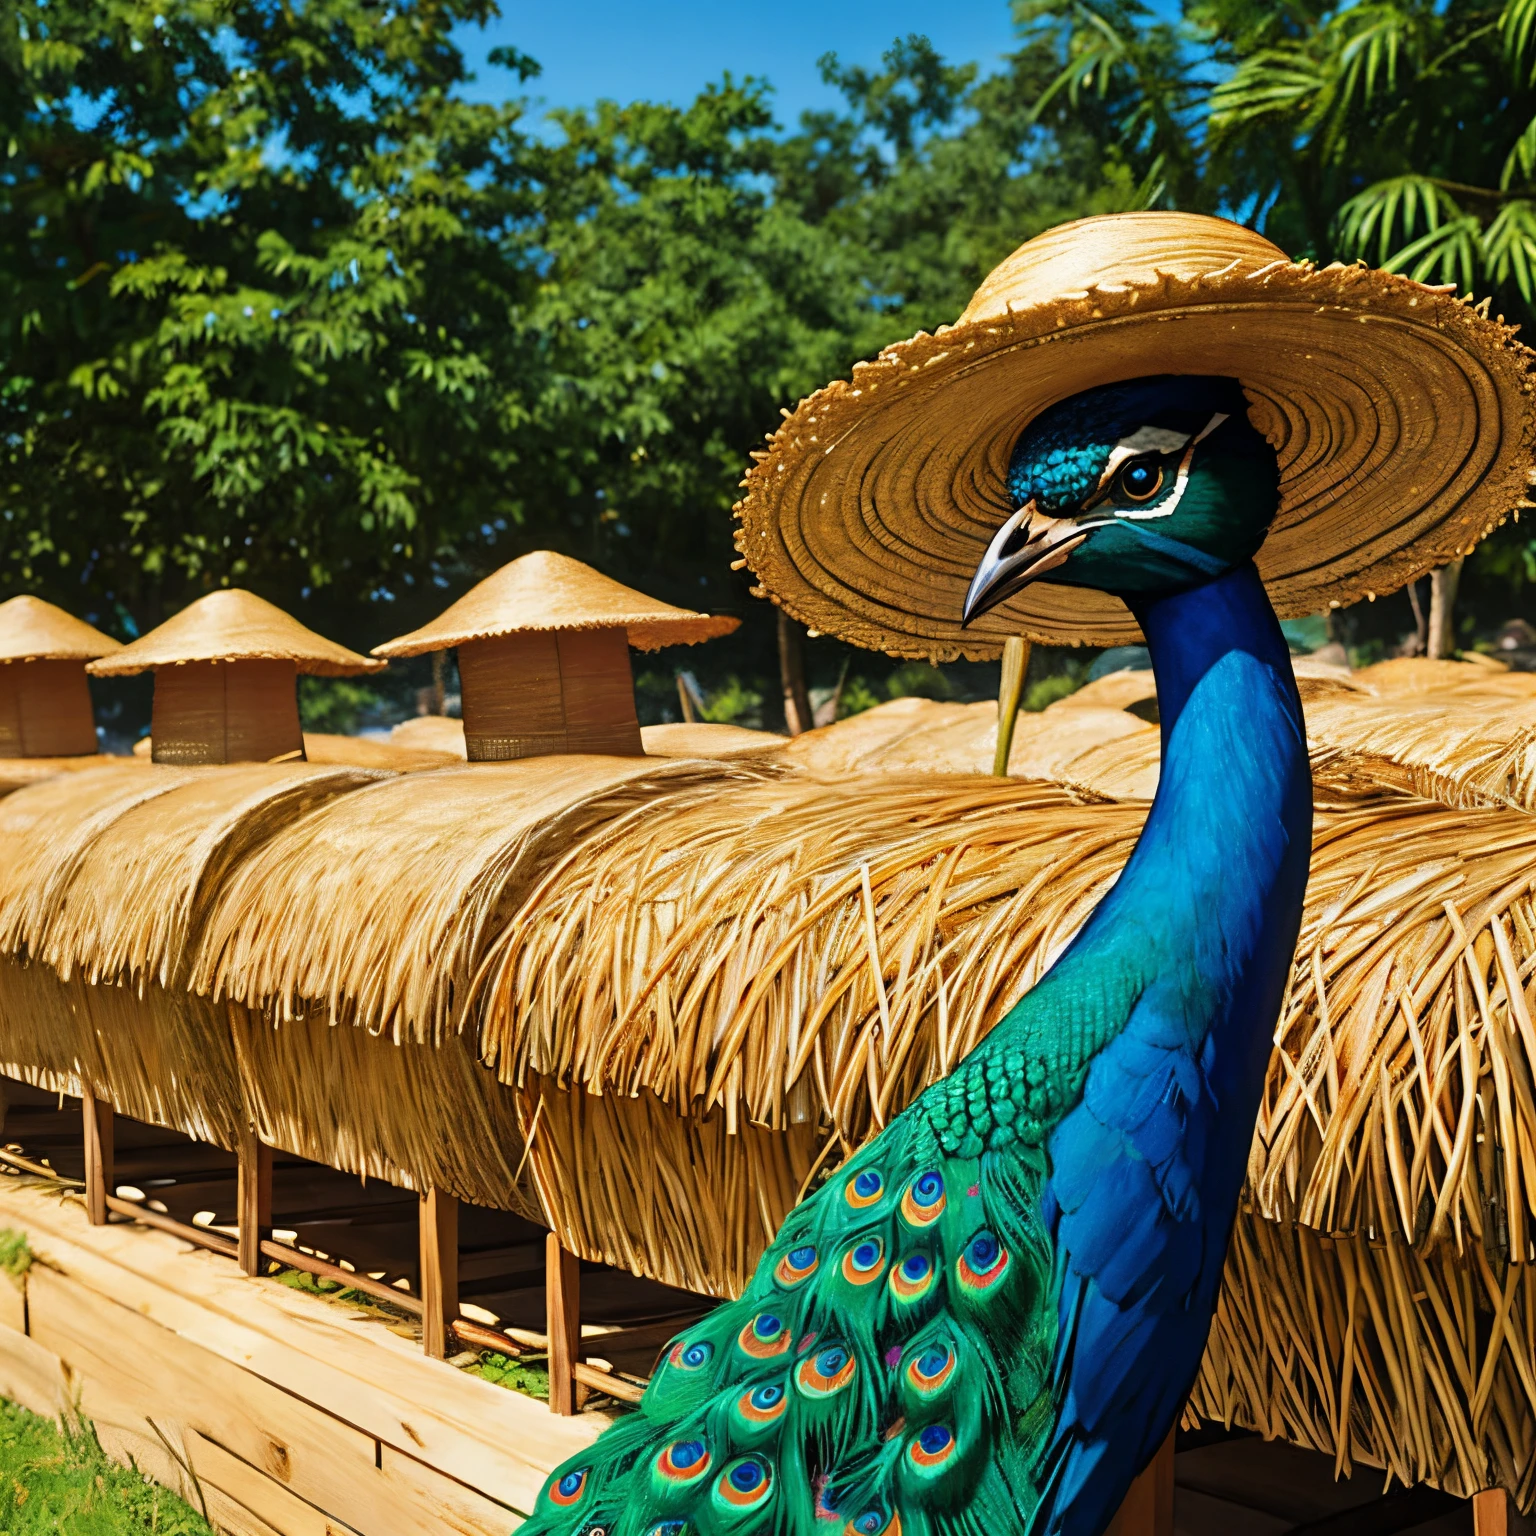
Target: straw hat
column 32, row 630
column 546, row 591
column 1402, row 417
column 233, row 625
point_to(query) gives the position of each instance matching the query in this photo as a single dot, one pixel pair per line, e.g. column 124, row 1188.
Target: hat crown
column 1116, row 250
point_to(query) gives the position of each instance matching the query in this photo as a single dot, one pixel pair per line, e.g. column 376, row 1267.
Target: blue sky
column 667, row 50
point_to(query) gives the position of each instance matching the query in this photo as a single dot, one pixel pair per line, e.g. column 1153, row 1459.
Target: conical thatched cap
column 546, row 591
column 233, row 625
column 32, row 630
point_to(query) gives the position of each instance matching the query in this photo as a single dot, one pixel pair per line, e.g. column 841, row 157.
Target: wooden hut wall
column 226, row 712
column 45, row 710
column 546, row 691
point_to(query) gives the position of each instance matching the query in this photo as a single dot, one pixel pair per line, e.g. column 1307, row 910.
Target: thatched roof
column 379, row 911
column 32, row 630
column 438, row 733
column 549, row 591
column 233, row 625
column 107, row 875
column 351, row 752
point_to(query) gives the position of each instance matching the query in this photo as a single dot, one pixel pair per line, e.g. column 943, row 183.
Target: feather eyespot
column 874, row 1522
column 686, row 1356
column 763, row 1404
column 923, row 1201
column 863, row 1189
column 864, row 1261
column 931, row 1447
column 566, row 1490
column 828, row 1371
column 745, row 1483
column 684, row 1461
column 667, row 1528
column 984, row 1262
column 796, row 1266
column 927, row 1374
column 764, row 1337
column 913, row 1278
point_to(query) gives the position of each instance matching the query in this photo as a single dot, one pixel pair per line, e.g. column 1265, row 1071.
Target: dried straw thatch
column 413, row 1115
column 109, row 874
column 839, row 946
column 374, row 1077
column 728, row 962
column 1380, row 1354
column 630, row 1182
column 437, row 863
column 438, row 733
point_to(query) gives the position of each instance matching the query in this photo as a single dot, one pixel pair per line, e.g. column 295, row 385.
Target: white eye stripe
column 1142, row 436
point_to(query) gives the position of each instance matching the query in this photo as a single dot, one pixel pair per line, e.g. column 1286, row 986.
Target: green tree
column 255, row 266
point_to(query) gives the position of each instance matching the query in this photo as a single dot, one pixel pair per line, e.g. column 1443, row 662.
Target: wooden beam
column 1494, row 1513
column 439, row 1270
column 99, row 1179
column 1148, row 1507
column 253, row 1200
column 562, row 1305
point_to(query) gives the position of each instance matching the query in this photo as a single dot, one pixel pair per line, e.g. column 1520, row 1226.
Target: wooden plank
column 100, row 1180
column 1148, row 1507
column 439, row 1271
column 13, row 1302
column 562, row 1322
column 34, row 1376
column 447, row 1503
column 136, row 1376
column 253, row 1201
column 337, row 1356
column 267, row 1499
column 148, row 1454
column 1494, row 1513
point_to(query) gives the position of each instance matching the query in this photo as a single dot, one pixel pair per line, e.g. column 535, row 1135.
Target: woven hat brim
column 1402, row 417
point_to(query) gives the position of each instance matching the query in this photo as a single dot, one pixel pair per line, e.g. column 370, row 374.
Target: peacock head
column 1139, row 488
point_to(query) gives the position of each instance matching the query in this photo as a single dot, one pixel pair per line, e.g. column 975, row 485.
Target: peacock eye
column 1139, row 480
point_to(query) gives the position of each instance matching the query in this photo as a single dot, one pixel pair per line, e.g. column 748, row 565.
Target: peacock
column 987, row 1319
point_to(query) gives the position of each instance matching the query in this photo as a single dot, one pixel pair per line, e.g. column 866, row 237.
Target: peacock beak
column 1027, row 546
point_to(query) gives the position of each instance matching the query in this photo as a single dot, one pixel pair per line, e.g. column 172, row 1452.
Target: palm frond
column 1518, row 26
column 1522, row 158
column 1275, row 80
column 1377, row 223
column 1509, row 247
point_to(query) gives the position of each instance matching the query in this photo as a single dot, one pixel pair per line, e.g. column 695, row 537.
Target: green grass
column 54, row 1483
column 519, row 1375
column 15, row 1252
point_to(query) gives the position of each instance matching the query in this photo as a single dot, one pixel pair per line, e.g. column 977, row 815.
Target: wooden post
column 439, row 1270
column 1011, row 685
column 99, row 1178
column 253, row 1200
column 797, row 698
column 562, row 1296
column 1494, row 1514
column 1148, row 1507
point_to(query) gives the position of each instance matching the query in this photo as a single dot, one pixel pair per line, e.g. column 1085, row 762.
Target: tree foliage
column 279, row 307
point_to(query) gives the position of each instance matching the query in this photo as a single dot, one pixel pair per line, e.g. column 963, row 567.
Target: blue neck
column 1210, row 901
column 1191, row 631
